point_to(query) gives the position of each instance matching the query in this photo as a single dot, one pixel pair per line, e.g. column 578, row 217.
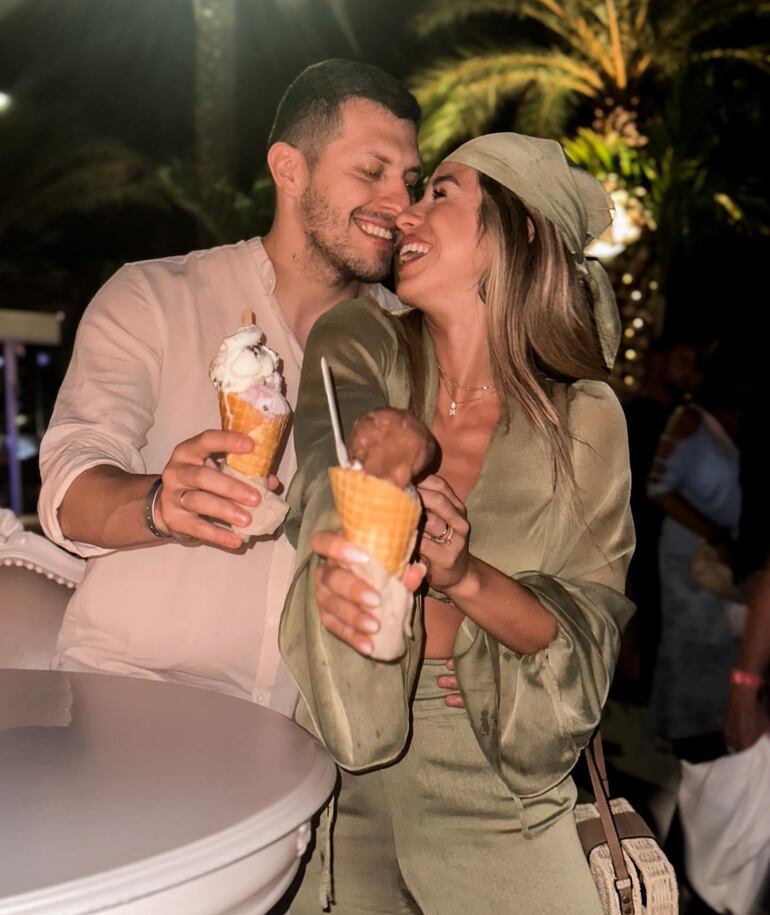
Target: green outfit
column 529, row 716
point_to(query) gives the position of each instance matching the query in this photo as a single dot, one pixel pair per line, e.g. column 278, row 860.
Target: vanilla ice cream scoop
column 243, row 362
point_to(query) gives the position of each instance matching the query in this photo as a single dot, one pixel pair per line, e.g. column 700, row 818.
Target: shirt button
column 261, row 698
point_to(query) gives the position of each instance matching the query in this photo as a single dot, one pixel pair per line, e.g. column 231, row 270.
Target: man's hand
column 392, row 444
column 449, row 682
column 194, row 490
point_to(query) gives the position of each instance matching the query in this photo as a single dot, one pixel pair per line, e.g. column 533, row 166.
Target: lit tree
column 601, row 51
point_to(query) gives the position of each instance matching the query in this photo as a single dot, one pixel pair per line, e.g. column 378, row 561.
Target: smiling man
column 168, row 594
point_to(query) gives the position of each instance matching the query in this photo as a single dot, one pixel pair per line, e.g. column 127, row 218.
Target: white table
column 135, row 797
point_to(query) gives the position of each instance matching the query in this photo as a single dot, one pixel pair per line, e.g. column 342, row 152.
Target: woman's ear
column 289, row 169
column 530, row 230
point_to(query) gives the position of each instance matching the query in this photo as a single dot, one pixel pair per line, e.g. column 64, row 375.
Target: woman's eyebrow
column 444, row 179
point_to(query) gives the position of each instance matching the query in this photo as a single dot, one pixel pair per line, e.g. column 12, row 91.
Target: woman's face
column 441, row 257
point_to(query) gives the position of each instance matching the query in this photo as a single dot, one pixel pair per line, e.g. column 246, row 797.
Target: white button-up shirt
column 137, row 386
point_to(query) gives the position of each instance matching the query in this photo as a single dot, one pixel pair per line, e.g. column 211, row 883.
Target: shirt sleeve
column 533, row 714
column 357, row 706
column 106, row 403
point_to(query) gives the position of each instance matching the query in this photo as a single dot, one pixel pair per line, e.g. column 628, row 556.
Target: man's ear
column 288, row 167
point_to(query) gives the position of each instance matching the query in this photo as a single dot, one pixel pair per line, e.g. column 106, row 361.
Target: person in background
column 695, row 479
column 747, row 717
column 672, row 374
column 127, row 470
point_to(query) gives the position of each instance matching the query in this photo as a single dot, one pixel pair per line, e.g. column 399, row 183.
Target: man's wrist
column 150, row 507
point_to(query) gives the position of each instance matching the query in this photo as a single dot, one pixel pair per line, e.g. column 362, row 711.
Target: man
column 168, row 594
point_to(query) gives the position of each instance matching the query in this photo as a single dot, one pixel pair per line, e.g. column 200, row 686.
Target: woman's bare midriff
column 463, row 440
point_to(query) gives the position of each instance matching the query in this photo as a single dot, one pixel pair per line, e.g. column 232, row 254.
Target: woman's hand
column 444, row 542
column 344, row 600
column 392, row 444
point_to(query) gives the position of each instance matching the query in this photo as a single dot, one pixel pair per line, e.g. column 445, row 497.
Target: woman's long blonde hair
column 539, row 321
column 540, row 325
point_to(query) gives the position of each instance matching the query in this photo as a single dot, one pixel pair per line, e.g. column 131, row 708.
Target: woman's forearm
column 509, row 612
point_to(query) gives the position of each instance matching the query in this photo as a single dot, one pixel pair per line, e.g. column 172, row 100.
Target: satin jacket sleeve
column 533, row 714
column 357, row 706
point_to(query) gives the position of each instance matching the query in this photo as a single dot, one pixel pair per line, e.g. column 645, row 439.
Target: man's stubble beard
column 330, row 251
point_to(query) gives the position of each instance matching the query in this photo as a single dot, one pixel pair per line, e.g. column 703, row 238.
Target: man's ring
column 446, row 535
column 182, row 494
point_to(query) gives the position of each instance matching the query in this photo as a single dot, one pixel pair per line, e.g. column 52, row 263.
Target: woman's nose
column 409, row 218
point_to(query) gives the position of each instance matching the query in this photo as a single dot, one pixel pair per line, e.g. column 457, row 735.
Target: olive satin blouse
column 531, row 714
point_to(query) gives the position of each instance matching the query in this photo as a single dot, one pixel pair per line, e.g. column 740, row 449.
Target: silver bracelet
column 149, row 510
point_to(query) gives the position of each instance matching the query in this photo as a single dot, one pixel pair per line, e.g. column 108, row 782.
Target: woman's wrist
column 746, row 679
column 468, row 586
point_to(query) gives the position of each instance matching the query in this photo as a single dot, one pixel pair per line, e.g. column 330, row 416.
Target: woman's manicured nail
column 371, row 599
column 352, row 554
column 370, row 625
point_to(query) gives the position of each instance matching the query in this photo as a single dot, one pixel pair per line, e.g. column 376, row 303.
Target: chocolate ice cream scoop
column 392, row 444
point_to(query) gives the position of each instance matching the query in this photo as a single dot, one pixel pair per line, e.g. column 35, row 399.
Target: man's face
column 362, row 179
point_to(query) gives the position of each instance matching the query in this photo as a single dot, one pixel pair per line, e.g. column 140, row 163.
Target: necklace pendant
column 453, row 408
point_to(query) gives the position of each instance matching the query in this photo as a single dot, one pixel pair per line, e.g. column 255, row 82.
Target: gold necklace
column 454, row 403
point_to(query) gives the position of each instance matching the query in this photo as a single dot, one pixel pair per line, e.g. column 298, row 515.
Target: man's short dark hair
column 309, row 113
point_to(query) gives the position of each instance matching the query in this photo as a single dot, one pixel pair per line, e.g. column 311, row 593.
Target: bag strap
column 597, row 770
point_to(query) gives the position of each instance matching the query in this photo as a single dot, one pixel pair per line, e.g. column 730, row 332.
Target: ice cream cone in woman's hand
column 247, row 377
column 379, row 511
column 377, row 516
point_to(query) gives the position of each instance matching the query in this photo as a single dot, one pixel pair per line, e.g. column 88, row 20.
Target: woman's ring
column 446, row 535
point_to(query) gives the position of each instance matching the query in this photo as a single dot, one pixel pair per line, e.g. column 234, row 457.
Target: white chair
column 36, row 578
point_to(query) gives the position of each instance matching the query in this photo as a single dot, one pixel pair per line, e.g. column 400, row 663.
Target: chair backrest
column 36, row 578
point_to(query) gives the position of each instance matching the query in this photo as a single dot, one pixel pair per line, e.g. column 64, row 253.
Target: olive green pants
column 439, row 833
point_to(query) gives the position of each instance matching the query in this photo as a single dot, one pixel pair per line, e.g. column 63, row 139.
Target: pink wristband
column 745, row 678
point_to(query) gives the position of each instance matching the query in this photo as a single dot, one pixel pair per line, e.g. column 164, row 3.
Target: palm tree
column 600, row 52
column 215, row 120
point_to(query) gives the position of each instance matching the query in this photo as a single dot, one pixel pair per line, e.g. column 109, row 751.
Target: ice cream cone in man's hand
column 379, row 511
column 247, row 377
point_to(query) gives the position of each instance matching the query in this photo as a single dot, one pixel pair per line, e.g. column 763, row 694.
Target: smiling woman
column 456, row 793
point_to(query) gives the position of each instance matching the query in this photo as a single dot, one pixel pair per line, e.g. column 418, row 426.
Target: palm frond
column 460, row 97
column 543, row 110
column 441, row 14
column 756, row 57
column 223, row 212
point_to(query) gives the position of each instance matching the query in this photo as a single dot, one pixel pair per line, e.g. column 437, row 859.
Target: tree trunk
column 215, row 126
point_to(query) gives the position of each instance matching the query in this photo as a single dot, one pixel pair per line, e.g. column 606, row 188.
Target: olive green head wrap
column 539, row 172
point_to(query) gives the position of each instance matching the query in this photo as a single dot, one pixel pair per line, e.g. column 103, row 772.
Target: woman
column 695, row 479
column 526, row 542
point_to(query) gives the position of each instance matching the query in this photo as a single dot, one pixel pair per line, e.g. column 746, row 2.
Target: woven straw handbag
column 631, row 873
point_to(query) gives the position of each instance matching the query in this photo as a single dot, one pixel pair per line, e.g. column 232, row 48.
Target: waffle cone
column 265, row 431
column 376, row 515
